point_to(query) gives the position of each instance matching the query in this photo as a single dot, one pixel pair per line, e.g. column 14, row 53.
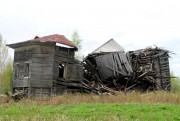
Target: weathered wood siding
column 161, row 66
column 22, row 56
column 42, row 66
column 62, row 56
column 73, row 72
column 112, row 65
column 40, row 59
column 21, row 82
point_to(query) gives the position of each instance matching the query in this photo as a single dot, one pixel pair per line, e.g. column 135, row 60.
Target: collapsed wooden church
column 45, row 66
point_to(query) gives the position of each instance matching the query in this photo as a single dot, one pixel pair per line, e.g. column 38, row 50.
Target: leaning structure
column 144, row 70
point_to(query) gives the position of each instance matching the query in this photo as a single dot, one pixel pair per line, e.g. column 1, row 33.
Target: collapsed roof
column 107, row 69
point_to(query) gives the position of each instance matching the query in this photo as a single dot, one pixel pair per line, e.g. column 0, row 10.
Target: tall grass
column 131, row 97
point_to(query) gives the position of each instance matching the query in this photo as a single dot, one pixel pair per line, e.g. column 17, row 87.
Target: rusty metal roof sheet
column 55, row 38
column 109, row 46
column 51, row 39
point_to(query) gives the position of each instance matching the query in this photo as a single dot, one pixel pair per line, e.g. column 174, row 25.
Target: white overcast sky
column 134, row 24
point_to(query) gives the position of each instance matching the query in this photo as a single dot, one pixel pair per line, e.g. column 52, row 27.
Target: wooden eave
column 27, row 43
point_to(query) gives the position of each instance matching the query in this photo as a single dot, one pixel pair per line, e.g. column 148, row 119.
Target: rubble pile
column 143, row 70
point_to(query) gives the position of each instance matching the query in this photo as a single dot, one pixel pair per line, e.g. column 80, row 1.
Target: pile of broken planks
column 142, row 70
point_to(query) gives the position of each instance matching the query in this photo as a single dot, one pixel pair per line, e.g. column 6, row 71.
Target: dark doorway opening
column 61, row 70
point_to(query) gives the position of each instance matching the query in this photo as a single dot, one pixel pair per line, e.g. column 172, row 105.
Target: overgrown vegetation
column 5, row 68
column 130, row 97
column 175, row 83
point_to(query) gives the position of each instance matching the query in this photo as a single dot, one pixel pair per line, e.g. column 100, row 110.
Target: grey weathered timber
column 40, row 64
column 43, row 68
column 144, row 70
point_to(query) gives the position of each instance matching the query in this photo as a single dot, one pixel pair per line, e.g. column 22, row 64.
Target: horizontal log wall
column 41, row 92
column 42, row 66
column 40, row 59
column 21, row 82
column 73, row 72
column 22, row 56
column 44, row 60
column 62, row 56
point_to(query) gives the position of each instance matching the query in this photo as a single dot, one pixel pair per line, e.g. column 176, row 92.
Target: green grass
column 91, row 112
column 152, row 106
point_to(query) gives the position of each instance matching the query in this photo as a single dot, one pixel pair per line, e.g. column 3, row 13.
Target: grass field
column 92, row 112
column 156, row 106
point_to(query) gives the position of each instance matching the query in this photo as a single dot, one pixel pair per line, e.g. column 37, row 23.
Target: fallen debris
column 18, row 95
column 143, row 70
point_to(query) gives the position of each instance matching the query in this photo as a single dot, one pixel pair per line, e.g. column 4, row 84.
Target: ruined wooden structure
column 45, row 66
column 110, row 69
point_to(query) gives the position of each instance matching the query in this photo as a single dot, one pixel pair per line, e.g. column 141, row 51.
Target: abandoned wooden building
column 45, row 66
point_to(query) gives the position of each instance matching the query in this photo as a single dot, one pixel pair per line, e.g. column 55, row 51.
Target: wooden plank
column 23, row 82
column 115, row 70
column 63, row 59
column 73, row 72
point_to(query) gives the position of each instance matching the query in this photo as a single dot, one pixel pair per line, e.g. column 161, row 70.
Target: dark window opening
column 16, row 71
column 26, row 69
column 61, row 70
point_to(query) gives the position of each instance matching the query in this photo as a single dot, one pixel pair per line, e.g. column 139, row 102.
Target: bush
column 175, row 83
column 5, row 68
column 7, row 78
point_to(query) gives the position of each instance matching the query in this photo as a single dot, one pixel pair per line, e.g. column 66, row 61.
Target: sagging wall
column 113, row 65
column 152, row 64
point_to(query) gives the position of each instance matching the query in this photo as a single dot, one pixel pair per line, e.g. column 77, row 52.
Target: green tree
column 5, row 68
column 75, row 38
column 175, row 83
